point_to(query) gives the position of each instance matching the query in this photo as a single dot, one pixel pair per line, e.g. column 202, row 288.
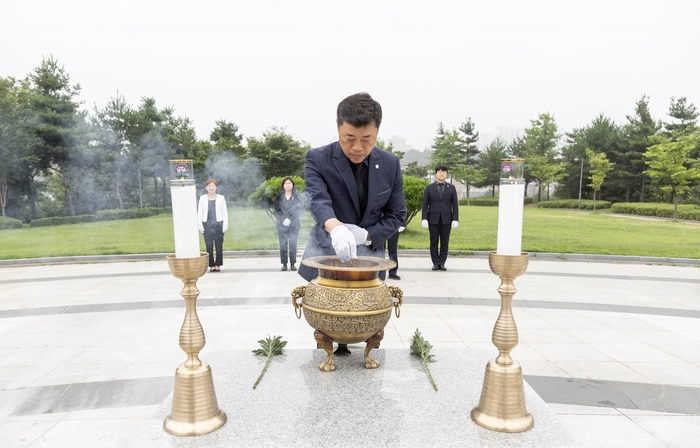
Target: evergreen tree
column 113, row 128
column 278, row 153
column 539, row 149
column 686, row 115
column 490, row 162
column 446, row 145
column 59, row 123
column 468, row 137
column 226, row 137
column 629, row 159
column 16, row 144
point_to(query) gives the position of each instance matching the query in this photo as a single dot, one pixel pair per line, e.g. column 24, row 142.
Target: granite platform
column 297, row 405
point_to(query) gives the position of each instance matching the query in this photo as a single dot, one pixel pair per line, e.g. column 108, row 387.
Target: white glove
column 455, row 224
column 343, row 243
column 286, row 222
column 425, row 223
column 359, row 233
column 401, row 229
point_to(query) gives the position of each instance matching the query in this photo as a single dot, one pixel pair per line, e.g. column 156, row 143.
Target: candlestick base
column 502, row 402
column 195, row 410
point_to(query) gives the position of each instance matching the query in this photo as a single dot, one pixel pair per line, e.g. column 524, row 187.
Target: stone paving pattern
column 88, row 351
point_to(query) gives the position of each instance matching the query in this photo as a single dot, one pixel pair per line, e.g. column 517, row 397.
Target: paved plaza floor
column 88, row 349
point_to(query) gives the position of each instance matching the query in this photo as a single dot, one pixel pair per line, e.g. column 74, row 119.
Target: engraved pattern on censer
column 357, row 325
column 353, row 300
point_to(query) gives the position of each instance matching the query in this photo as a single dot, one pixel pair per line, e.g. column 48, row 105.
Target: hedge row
column 573, row 203
column 102, row 215
column 487, row 201
column 685, row 211
column 10, row 223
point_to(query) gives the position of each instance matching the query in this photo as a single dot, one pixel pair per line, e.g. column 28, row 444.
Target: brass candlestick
column 502, row 403
column 195, row 410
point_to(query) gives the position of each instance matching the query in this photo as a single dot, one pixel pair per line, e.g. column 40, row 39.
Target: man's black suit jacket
column 436, row 208
column 332, row 193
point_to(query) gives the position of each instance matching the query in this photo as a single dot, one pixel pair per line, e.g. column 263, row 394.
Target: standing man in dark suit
column 440, row 215
column 354, row 190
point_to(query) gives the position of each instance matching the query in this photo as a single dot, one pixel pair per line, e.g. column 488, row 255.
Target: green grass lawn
column 544, row 230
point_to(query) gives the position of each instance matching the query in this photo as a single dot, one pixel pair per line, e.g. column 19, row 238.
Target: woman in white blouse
column 213, row 223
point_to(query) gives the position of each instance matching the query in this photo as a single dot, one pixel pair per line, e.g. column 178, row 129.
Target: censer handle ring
column 396, row 292
column 298, row 293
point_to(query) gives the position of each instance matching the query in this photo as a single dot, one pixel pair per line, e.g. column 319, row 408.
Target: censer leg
column 373, row 342
column 326, row 344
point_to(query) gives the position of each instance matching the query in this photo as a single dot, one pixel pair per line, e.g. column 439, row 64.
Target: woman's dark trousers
column 288, row 245
column 214, row 237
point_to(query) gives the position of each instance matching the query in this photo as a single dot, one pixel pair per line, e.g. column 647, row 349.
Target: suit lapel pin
column 376, row 167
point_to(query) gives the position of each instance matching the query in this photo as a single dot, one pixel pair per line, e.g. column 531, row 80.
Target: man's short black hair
column 441, row 167
column 359, row 110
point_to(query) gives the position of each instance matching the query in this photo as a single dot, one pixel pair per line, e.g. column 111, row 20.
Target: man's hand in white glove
column 359, row 233
column 455, row 224
column 425, row 223
column 401, row 229
column 343, row 243
column 286, row 222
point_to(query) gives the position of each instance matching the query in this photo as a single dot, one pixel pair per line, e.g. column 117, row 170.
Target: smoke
column 236, row 179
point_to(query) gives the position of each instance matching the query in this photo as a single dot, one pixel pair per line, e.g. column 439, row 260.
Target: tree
column 629, row 160
column 670, row 166
column 278, row 153
column 540, row 140
column 59, row 122
column 543, row 172
column 600, row 165
column 490, row 162
column 389, row 147
column 225, row 137
column 446, row 144
column 154, row 143
column 687, row 116
column 541, row 137
column 601, row 135
column 413, row 189
column 455, row 147
column 468, row 136
column 16, row 141
column 412, row 169
column 182, row 139
column 468, row 176
column 113, row 131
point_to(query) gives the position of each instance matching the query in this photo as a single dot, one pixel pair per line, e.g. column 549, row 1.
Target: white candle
column 510, row 218
column 185, row 221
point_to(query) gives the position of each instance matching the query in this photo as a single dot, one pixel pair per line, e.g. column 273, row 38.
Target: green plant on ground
column 268, row 347
column 421, row 348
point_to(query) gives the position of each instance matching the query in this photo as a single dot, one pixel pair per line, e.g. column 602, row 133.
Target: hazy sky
column 285, row 63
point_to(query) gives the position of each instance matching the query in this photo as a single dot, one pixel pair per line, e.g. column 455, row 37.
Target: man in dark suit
column 354, row 190
column 440, row 215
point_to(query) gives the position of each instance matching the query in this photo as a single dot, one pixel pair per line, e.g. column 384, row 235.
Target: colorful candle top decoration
column 513, row 169
column 181, row 170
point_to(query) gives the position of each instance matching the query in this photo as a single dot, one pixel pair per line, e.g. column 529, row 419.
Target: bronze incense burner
column 347, row 303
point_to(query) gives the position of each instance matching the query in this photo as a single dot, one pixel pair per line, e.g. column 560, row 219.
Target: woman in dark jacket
column 288, row 207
